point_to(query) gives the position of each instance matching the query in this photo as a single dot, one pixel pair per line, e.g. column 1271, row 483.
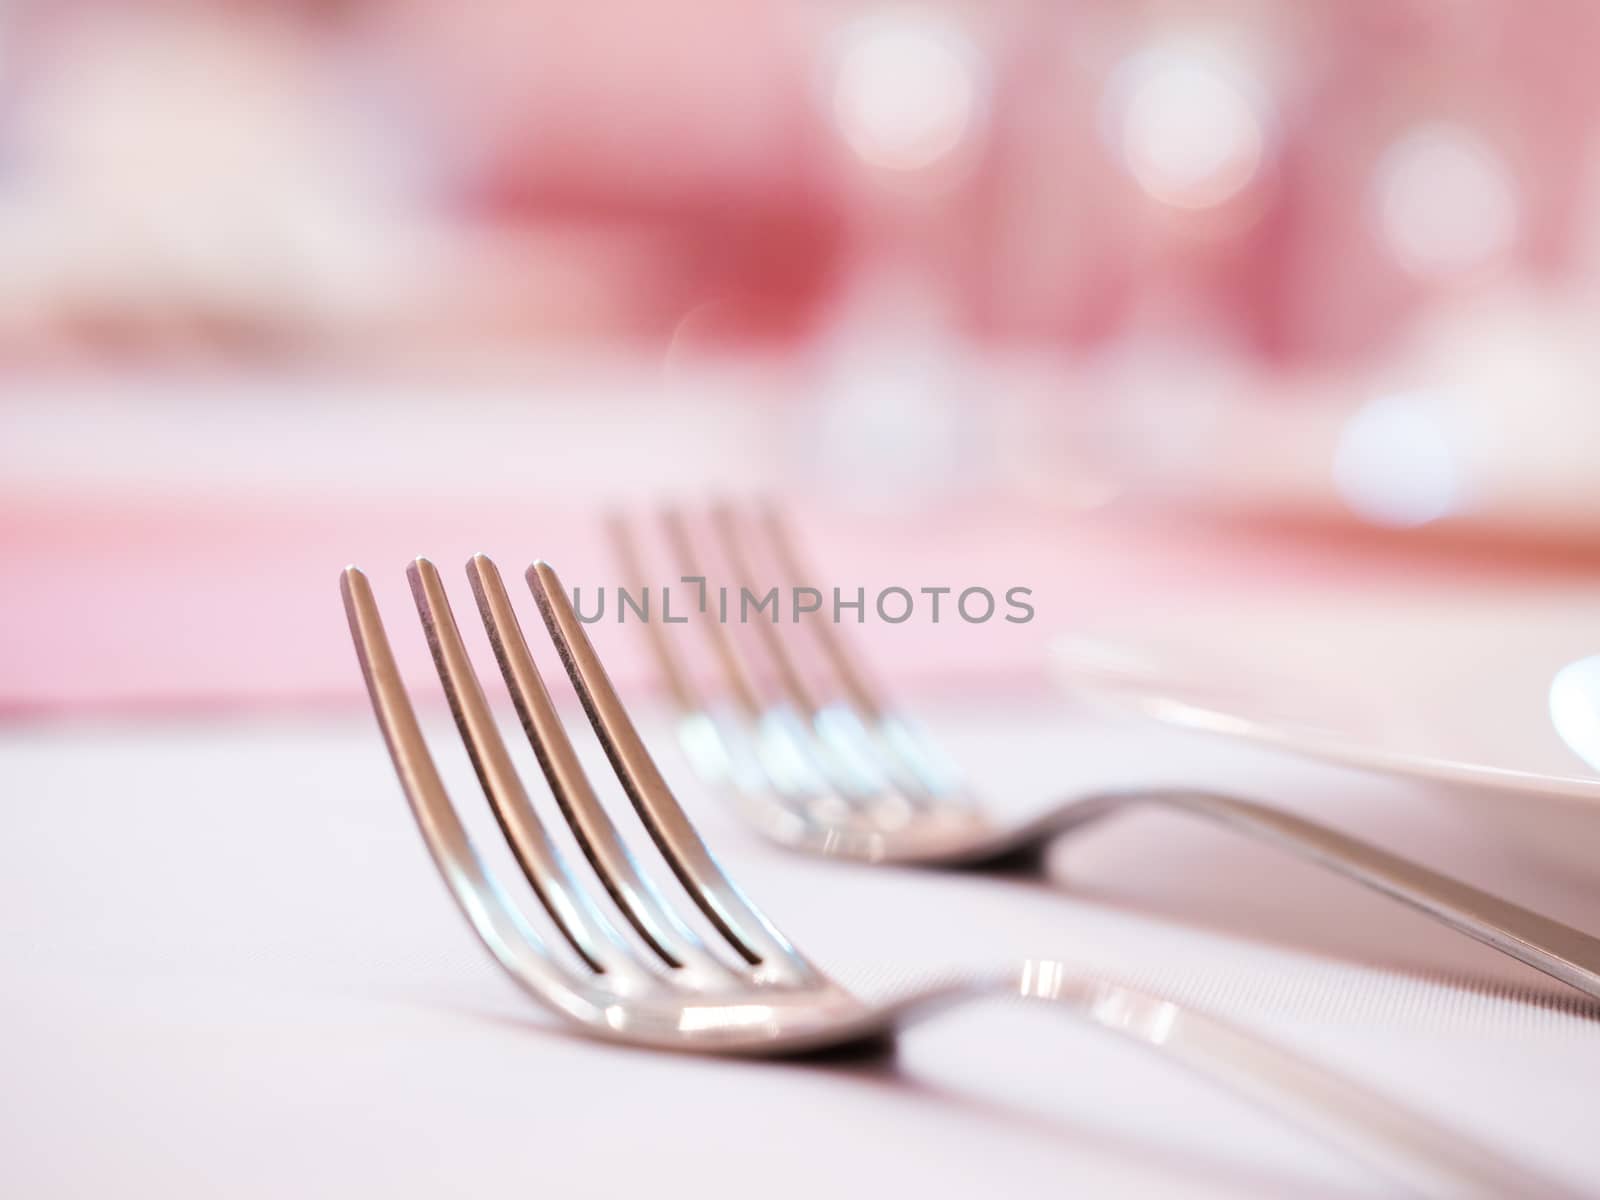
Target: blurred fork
column 654, row 982
column 853, row 778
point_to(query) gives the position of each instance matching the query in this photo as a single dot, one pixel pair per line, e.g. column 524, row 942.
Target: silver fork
column 853, row 778
column 651, row 981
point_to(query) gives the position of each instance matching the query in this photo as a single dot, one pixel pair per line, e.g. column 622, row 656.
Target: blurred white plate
column 1500, row 690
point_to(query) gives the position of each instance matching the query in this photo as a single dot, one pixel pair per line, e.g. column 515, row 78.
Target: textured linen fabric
column 229, row 969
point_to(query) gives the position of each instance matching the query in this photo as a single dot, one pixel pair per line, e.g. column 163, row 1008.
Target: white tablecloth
column 228, row 969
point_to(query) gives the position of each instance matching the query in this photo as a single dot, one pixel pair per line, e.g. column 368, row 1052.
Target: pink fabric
column 146, row 603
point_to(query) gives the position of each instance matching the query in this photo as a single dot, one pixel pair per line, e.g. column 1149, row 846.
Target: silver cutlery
column 846, row 774
column 628, row 966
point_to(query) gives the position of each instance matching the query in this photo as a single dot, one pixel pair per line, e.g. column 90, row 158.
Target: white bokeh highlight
column 908, row 88
column 1444, row 201
column 1575, row 708
column 1395, row 465
column 1190, row 122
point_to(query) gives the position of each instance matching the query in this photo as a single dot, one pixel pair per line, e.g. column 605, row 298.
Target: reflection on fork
column 627, row 965
column 820, row 761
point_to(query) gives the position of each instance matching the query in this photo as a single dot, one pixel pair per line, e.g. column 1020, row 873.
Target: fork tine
column 597, row 834
column 734, row 665
column 789, row 677
column 747, row 931
column 845, row 666
column 673, row 671
column 516, row 946
column 584, row 926
column 862, row 730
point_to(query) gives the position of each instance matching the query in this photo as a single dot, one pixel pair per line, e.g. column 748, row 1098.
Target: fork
column 854, row 778
column 651, row 981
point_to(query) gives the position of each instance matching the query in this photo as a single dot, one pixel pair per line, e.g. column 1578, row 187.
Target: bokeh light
column 1189, row 122
column 1394, row 464
column 1444, row 200
column 1575, row 707
column 907, row 88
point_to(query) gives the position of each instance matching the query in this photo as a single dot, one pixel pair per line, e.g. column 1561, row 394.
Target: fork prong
column 583, row 925
column 726, row 524
column 735, row 667
column 862, row 729
column 844, row 664
column 517, row 947
column 673, row 671
column 750, row 934
column 597, row 834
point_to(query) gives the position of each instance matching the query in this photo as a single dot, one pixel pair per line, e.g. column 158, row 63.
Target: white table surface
column 228, row 969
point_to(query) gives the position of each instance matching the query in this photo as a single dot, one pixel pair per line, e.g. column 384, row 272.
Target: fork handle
column 1558, row 950
column 1425, row 1158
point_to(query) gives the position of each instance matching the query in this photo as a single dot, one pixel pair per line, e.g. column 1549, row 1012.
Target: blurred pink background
column 1121, row 301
